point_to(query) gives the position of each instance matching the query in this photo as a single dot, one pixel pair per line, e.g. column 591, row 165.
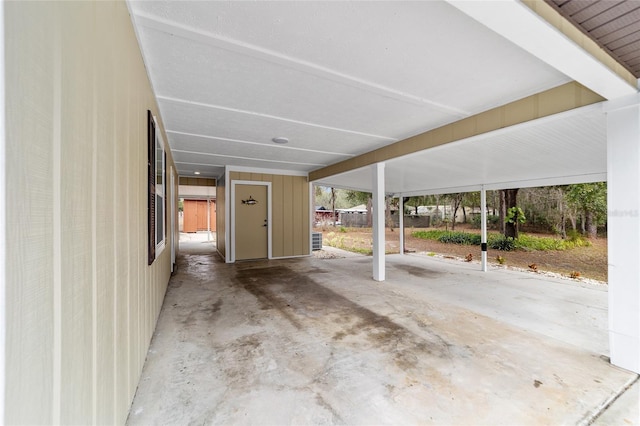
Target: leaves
column 589, row 198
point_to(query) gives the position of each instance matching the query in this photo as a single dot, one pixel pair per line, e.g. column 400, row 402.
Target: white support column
column 401, row 221
column 3, row 239
column 483, row 222
column 377, row 172
column 623, row 231
column 208, row 219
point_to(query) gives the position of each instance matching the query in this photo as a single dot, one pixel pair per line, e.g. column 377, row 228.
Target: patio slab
column 316, row 341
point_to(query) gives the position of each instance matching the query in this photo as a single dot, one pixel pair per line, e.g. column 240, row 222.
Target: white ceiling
column 342, row 78
column 562, row 149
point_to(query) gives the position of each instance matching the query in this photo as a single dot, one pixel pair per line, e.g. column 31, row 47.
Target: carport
column 402, row 99
column 315, row 341
column 106, row 106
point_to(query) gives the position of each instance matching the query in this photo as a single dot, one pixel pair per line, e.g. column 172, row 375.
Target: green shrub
column 463, row 238
column 500, row 242
column 433, row 234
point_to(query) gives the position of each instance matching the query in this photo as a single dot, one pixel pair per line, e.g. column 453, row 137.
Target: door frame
column 233, row 215
column 173, row 210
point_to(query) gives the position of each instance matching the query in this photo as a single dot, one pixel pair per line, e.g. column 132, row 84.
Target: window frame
column 157, row 189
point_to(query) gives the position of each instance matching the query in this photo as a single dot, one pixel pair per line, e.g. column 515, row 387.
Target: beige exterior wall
column 81, row 301
column 290, row 227
column 221, row 228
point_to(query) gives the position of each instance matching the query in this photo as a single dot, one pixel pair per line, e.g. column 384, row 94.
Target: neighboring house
column 324, row 216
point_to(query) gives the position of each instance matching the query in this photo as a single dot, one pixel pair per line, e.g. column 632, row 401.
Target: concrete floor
column 316, row 341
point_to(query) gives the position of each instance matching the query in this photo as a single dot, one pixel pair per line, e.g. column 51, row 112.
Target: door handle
column 265, row 223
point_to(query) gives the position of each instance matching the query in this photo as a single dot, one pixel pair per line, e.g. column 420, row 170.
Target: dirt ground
column 589, row 262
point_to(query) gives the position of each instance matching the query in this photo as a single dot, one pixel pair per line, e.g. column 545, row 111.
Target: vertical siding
column 29, row 287
column 81, row 301
column 76, row 142
column 290, row 227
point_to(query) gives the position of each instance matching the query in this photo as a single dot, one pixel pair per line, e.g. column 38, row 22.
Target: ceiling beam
column 539, row 29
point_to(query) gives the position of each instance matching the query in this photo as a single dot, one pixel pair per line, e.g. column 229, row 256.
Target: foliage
column 589, row 197
column 432, row 234
column 515, row 215
column 463, row 238
column 357, row 197
column 323, row 197
column 529, row 242
column 492, row 220
column 500, row 242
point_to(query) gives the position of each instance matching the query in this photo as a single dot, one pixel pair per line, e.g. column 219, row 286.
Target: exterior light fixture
column 280, row 140
column 196, row 173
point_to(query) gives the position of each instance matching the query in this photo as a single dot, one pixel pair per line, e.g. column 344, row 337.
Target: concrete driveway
column 316, row 341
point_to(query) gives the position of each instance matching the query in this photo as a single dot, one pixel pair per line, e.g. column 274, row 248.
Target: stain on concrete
column 336, row 419
column 304, row 303
column 418, row 272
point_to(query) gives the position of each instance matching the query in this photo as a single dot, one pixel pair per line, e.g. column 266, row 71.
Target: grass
column 499, row 242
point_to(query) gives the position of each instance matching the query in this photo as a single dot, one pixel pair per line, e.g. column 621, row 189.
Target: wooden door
column 190, row 216
column 195, row 215
column 251, row 227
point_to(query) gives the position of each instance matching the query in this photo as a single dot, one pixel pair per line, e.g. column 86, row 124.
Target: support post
column 401, row 222
column 623, row 231
column 483, row 222
column 377, row 171
column 208, row 219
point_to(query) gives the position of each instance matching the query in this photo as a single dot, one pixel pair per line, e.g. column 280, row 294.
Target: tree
column 456, row 201
column 415, row 202
column 359, row 197
column 333, row 205
column 510, row 202
column 591, row 200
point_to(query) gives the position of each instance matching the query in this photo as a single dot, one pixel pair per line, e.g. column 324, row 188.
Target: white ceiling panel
column 272, row 151
column 564, row 149
column 229, row 160
column 219, row 77
column 199, row 120
column 339, row 79
column 427, row 43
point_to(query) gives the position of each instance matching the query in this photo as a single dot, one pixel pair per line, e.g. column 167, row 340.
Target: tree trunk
column 502, row 211
column 510, row 198
column 333, row 205
column 369, row 218
column 591, row 225
column 464, row 215
column 387, row 213
column 572, row 220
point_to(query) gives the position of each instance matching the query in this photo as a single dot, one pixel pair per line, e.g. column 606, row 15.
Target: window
column 157, row 160
column 161, row 157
